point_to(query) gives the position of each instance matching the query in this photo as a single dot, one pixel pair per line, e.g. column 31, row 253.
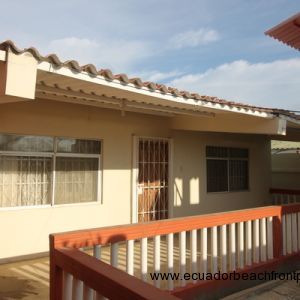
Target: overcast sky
column 216, row 48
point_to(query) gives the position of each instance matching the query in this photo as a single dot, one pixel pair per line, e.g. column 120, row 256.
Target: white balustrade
column 263, row 240
column 214, row 249
column 203, row 259
column 241, row 245
column 144, row 258
column 182, row 256
column 232, row 247
column 130, row 257
column 248, row 243
column 170, row 258
column 270, row 237
column 224, row 248
column 156, row 256
column 193, row 251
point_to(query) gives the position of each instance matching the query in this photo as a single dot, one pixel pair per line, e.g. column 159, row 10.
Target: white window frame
column 228, row 159
column 54, row 155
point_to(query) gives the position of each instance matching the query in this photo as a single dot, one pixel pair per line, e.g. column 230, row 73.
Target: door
column 153, row 179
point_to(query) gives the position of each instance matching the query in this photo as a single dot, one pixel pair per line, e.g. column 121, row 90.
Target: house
column 285, row 164
column 82, row 148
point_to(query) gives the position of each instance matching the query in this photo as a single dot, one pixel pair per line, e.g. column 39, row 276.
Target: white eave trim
column 289, row 119
column 65, row 71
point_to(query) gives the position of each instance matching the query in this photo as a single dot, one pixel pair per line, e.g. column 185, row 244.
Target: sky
column 215, row 48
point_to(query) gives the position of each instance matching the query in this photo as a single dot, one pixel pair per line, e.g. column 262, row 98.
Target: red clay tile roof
column 137, row 82
column 287, row 32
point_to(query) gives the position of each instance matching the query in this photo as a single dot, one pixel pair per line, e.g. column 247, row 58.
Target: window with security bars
column 227, row 169
column 38, row 170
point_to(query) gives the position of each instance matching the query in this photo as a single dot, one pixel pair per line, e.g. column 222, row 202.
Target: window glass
column 25, row 180
column 238, row 175
column 212, row 151
column 69, row 145
column 28, row 143
column 217, row 175
column 76, row 180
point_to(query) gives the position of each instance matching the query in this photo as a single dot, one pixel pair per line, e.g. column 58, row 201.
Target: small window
column 37, row 170
column 227, row 169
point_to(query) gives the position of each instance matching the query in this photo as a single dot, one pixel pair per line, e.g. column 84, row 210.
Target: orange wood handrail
column 103, row 278
column 285, row 191
column 106, row 235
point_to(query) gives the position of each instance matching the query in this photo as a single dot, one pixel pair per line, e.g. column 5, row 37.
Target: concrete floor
column 25, row 280
column 272, row 290
column 29, row 280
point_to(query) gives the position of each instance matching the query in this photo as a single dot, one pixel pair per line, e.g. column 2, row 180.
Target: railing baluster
column 87, row 293
column 203, row 260
column 248, row 243
column 193, row 250
column 182, row 256
column 157, row 258
column 114, row 251
column 224, row 248
column 289, row 233
column 214, row 249
column 97, row 254
column 241, row 245
column 170, row 259
column 284, row 242
column 270, row 237
column 256, row 241
column 144, row 258
column 97, row 251
column 294, row 232
column 263, row 239
column 232, row 248
column 67, row 286
column 130, row 257
column 298, row 214
column 77, row 289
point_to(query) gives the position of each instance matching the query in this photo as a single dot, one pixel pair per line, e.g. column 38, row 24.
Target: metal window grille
column 227, row 169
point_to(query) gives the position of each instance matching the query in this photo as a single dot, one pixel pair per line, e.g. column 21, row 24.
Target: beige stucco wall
column 25, row 231
column 286, row 171
column 190, row 194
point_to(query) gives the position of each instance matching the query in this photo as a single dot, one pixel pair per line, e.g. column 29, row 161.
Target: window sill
column 228, row 192
column 48, row 206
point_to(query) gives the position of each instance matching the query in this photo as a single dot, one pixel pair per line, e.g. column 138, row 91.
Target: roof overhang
column 44, row 80
column 287, row 32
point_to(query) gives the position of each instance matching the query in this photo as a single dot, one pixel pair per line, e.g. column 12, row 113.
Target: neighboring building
column 285, row 164
column 81, row 148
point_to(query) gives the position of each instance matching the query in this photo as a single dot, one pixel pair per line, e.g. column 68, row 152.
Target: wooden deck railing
column 232, row 241
column 285, row 196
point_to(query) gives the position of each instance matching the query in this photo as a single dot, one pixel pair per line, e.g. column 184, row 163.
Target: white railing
column 285, row 196
column 224, row 242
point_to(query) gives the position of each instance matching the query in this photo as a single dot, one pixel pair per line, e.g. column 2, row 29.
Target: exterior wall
column 190, row 196
column 25, row 230
column 286, row 171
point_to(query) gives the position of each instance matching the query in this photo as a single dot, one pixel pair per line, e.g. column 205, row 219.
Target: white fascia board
column 290, row 119
column 65, row 71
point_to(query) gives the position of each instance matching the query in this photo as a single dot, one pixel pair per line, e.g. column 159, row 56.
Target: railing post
column 56, row 275
column 277, row 234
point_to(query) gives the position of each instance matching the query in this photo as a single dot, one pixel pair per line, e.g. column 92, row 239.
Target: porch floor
column 29, row 279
